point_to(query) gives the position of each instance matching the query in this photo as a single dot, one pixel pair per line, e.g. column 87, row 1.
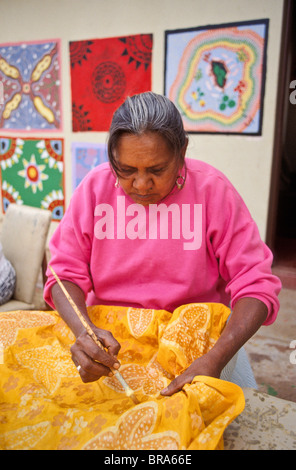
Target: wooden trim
column 279, row 131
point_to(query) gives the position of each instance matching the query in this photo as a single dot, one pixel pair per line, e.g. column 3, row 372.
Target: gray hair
column 147, row 112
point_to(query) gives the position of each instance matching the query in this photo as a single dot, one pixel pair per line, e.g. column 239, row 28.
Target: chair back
column 23, row 238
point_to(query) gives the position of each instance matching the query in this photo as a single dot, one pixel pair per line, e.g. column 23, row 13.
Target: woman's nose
column 142, row 183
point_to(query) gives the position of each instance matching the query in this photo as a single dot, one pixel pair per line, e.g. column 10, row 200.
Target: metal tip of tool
column 134, row 398
column 129, row 393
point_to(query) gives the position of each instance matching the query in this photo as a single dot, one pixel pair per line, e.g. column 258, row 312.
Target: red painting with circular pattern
column 103, row 73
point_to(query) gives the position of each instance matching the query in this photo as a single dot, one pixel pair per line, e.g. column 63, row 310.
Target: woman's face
column 148, row 168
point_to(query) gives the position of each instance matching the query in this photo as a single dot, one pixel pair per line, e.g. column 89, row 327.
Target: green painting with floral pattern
column 32, row 173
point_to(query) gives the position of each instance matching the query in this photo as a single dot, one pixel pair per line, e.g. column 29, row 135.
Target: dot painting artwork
column 32, row 173
column 103, row 73
column 30, row 74
column 85, row 157
column 215, row 75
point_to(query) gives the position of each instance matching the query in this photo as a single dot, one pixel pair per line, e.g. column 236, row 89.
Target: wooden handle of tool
column 88, row 328
column 92, row 334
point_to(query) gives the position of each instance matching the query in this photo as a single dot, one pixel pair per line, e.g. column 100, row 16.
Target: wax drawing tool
column 128, row 391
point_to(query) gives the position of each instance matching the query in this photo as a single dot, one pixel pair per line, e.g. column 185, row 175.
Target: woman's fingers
column 176, row 385
column 108, row 341
column 94, row 361
column 204, row 365
column 87, row 344
column 89, row 369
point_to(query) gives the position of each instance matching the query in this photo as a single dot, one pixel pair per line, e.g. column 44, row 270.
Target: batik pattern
column 45, row 405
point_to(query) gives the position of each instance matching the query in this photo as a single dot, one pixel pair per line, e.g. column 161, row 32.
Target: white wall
column 245, row 160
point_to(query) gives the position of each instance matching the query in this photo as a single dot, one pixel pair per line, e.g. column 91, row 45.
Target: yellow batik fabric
column 45, row 405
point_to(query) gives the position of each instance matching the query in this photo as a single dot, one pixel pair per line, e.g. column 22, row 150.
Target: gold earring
column 179, row 183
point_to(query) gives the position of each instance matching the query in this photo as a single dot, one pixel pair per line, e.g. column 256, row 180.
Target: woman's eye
column 158, row 171
column 126, row 171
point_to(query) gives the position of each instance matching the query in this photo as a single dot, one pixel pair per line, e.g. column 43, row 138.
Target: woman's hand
column 91, row 361
column 247, row 316
column 204, row 365
column 94, row 362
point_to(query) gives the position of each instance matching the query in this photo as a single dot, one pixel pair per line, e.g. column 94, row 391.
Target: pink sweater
column 199, row 244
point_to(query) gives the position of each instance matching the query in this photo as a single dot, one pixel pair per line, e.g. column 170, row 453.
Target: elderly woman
column 155, row 230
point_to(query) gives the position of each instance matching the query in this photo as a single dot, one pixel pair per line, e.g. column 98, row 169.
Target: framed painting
column 32, row 173
column 30, row 92
column 103, row 73
column 85, row 157
column 215, row 75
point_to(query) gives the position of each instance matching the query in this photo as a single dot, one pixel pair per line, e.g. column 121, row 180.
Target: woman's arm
column 94, row 361
column 247, row 317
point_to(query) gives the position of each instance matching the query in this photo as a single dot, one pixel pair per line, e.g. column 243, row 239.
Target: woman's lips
column 142, row 197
